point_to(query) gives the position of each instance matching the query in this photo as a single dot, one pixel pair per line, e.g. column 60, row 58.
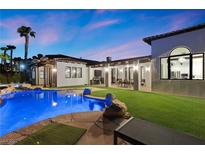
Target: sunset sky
column 92, row 34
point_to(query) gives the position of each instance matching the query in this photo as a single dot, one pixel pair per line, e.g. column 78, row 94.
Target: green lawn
column 182, row 113
column 54, row 134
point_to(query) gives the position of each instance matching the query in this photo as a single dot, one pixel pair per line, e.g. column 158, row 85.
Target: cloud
column 182, row 20
column 47, row 36
column 102, row 24
column 14, row 23
column 14, row 41
column 129, row 49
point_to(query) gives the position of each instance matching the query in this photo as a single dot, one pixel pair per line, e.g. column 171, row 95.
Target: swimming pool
column 21, row 109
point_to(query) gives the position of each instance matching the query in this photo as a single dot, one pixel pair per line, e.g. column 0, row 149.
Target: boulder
column 117, row 109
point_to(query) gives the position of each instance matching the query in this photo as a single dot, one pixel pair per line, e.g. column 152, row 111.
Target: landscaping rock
column 118, row 109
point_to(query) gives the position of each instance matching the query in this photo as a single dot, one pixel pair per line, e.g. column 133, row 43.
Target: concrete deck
column 99, row 130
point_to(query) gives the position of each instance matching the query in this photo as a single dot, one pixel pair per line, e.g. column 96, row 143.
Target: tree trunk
column 26, row 47
column 11, row 60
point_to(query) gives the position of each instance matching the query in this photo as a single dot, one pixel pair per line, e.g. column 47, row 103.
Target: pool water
column 21, row 109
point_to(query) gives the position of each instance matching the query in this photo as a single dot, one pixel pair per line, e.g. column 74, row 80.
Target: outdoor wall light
column 135, row 67
column 106, row 69
column 147, row 69
column 54, row 70
column 121, row 70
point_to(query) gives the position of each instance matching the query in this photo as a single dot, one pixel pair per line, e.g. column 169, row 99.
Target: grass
column 54, row 134
column 186, row 114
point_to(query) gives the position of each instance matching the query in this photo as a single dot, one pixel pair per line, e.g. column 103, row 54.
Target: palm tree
column 26, row 32
column 11, row 48
column 3, row 57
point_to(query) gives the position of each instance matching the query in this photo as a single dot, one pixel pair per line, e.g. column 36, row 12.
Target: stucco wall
column 63, row 81
column 195, row 41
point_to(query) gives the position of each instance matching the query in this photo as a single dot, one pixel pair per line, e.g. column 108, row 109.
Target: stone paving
column 99, row 130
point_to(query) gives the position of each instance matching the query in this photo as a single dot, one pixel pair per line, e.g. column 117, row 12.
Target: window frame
column 70, row 72
column 190, row 66
column 81, row 72
column 75, row 72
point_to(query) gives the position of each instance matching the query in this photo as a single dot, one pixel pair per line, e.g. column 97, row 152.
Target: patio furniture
column 137, row 131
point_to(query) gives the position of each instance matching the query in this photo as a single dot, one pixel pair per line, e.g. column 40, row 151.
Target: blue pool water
column 21, row 109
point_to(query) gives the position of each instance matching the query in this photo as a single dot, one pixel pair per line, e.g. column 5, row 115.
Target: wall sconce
column 135, row 67
column 54, row 70
column 106, row 69
column 147, row 69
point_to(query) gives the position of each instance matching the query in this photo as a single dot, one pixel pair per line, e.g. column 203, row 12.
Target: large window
column 182, row 65
column 164, row 68
column 79, row 72
column 197, row 62
column 41, row 74
column 67, row 72
column 142, row 72
column 74, row 72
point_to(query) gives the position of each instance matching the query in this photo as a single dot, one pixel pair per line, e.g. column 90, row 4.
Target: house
column 178, row 61
column 176, row 65
column 60, row 70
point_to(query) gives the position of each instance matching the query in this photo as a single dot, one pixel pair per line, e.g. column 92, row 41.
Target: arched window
column 182, row 65
column 180, row 51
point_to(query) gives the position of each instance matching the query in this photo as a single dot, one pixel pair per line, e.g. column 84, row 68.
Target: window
column 41, row 74
column 33, row 74
column 182, row 65
column 142, row 72
column 197, row 65
column 67, row 72
column 79, row 72
column 164, row 68
column 74, row 72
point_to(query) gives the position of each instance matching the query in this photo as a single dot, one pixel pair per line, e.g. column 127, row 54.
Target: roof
column 89, row 62
column 123, row 61
column 149, row 39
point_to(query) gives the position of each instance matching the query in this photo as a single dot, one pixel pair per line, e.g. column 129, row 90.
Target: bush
column 14, row 77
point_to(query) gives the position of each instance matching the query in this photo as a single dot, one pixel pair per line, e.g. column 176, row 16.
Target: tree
column 4, row 57
column 11, row 48
column 39, row 56
column 26, row 32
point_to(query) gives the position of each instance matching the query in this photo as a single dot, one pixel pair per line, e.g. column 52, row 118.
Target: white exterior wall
column 63, row 81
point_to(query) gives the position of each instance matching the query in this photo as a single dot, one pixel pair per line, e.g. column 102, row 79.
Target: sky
column 92, row 34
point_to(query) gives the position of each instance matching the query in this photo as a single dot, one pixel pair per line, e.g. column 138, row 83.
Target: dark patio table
column 137, row 131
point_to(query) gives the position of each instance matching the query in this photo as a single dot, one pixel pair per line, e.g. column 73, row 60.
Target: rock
column 118, row 109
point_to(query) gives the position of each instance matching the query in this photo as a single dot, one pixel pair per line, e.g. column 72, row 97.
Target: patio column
column 107, row 76
column 135, row 76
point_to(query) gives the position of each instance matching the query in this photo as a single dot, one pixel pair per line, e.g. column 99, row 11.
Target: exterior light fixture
column 54, row 70
column 147, row 69
column 135, row 67
column 106, row 69
column 121, row 70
